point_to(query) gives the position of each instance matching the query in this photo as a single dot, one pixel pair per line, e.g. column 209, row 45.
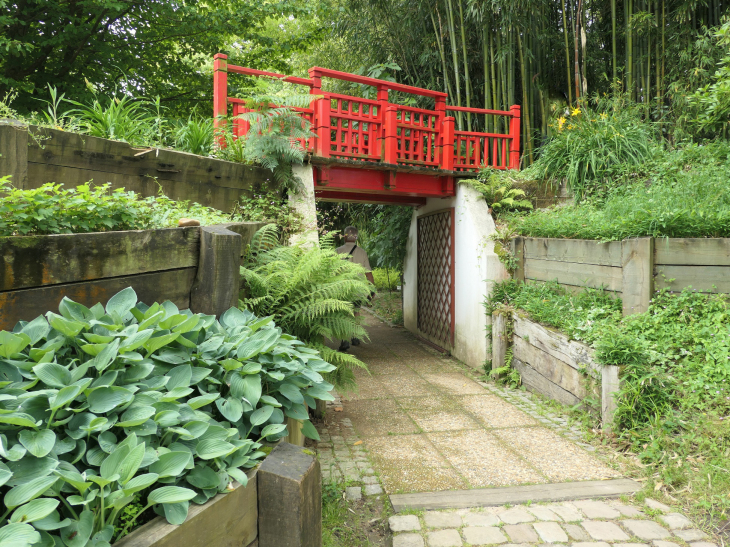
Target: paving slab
column 597, row 509
column 521, row 533
column 408, row 540
column 657, row 506
column 662, row 543
column 676, row 521
column 444, row 538
column 480, row 535
column 480, row 519
column 543, row 513
column 404, row 523
column 690, row 535
column 550, row 532
column 437, row 519
column 517, row 515
column 576, row 533
column 604, row 531
column 646, row 529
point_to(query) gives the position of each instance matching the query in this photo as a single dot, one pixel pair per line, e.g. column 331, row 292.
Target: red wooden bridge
column 378, row 152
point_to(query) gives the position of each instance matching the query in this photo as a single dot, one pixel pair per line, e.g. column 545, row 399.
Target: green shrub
column 107, row 406
column 311, row 292
column 496, row 187
column 386, row 279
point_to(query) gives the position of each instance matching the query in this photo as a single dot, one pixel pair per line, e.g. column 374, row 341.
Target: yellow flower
column 604, row 116
column 570, row 126
column 575, row 112
column 561, row 122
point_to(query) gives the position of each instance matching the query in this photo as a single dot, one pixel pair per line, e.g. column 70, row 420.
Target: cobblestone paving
column 580, row 523
column 428, row 424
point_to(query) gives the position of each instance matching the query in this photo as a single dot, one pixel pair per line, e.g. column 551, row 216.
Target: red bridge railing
column 354, row 128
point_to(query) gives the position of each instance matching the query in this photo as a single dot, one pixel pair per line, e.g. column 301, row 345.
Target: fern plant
column 310, row 292
column 496, row 187
column 277, row 131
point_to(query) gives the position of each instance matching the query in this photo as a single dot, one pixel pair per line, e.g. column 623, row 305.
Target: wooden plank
column 610, row 386
column 518, row 251
column 35, row 261
column 534, row 381
column 574, row 354
column 637, row 285
column 574, row 250
column 295, row 435
column 493, row 497
column 228, row 520
column 714, row 279
column 27, row 304
column 499, row 339
column 692, row 251
column 217, row 281
column 573, row 273
column 574, row 289
column 551, row 368
column 14, row 152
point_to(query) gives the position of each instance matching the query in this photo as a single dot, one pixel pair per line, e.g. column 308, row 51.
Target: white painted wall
column 476, row 269
column 303, row 202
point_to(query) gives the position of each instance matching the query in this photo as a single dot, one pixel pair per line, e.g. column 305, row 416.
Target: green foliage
column 386, row 279
column 498, row 192
column 102, row 403
column 589, row 145
column 270, row 206
column 195, row 135
column 388, row 235
column 679, row 194
column 311, row 292
column 51, row 209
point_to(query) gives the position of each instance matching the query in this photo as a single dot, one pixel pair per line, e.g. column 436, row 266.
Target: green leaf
column 179, row 377
column 104, row 399
column 291, row 392
column 122, row 302
column 64, row 397
column 239, row 476
column 28, row 491
column 36, row 329
column 77, row 533
column 170, row 464
column 269, row 400
column 136, row 340
column 231, row 408
column 5, row 473
column 112, row 464
column 35, row 510
column 261, row 415
column 131, row 463
column 176, row 513
column 170, row 494
column 53, row 375
column 136, row 416
column 309, row 431
column 38, row 443
column 208, row 449
column 107, row 356
column 203, row 477
column 272, row 429
column 153, row 344
column 18, row 418
column 202, row 400
column 65, row 326
column 252, row 389
column 140, row 482
column 12, row 343
column 18, row 535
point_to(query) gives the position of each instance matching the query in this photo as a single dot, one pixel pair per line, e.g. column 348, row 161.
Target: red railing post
column 514, row 133
column 390, row 135
column 440, row 108
column 447, row 140
column 382, row 107
column 220, row 95
column 321, row 119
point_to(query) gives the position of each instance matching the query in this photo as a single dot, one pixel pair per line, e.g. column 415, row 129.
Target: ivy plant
column 104, row 407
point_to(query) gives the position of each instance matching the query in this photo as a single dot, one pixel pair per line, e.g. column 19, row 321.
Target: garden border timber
column 632, row 269
column 553, row 365
column 283, row 494
column 176, row 264
column 35, row 155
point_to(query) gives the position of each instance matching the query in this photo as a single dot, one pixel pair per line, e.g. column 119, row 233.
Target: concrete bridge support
column 475, row 269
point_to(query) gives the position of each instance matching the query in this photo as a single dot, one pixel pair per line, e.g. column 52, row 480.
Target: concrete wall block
column 290, row 498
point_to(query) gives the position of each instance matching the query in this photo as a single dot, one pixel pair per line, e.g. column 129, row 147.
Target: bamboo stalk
column 567, row 52
column 467, row 80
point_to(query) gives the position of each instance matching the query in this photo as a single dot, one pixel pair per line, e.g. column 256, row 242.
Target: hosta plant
column 104, row 406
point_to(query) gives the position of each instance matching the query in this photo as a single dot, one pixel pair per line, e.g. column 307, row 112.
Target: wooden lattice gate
column 436, row 277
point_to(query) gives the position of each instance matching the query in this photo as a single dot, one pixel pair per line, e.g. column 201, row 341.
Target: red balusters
column 447, row 138
column 514, row 133
column 390, row 131
column 220, row 94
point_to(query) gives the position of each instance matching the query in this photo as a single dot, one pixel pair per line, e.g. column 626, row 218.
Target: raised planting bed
column 553, row 365
column 196, row 268
column 37, row 155
column 632, row 269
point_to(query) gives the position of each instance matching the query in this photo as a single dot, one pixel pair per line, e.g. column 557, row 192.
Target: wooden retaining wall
column 196, row 268
column 35, row 155
column 632, row 269
column 553, row 365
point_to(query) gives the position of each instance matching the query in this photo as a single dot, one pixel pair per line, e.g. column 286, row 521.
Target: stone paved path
column 423, row 422
column 428, row 425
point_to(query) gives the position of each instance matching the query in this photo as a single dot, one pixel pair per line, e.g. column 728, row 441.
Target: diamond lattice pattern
column 436, row 277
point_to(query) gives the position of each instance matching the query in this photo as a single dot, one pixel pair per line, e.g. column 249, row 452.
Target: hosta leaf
column 269, row 400
column 319, row 393
column 36, row 329
column 177, row 393
column 18, row 535
column 176, row 513
column 179, row 377
column 65, row 396
column 153, row 344
column 77, row 533
column 170, row 494
column 189, row 324
column 231, row 364
column 251, row 368
column 272, row 429
column 38, row 443
column 26, row 469
column 97, row 338
column 74, row 478
column 170, row 464
column 291, row 392
column 28, row 491
column 122, row 302
column 298, row 412
column 73, row 310
column 238, row 475
column 202, row 400
column 136, row 416
column 261, row 415
column 5, row 473
column 196, row 428
column 51, row 522
column 18, row 418
column 65, row 326
column 213, row 448
column 252, row 389
column 53, row 375
column 167, row 418
column 203, row 477
column 135, row 340
column 308, row 430
column 107, row 356
column 131, row 463
column 112, row 464
column 35, row 510
column 140, row 482
column 231, row 408
column 104, row 399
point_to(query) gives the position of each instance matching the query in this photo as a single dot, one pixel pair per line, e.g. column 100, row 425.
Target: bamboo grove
column 546, row 55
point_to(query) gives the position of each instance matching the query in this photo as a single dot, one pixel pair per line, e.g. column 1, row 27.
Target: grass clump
column 683, row 193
